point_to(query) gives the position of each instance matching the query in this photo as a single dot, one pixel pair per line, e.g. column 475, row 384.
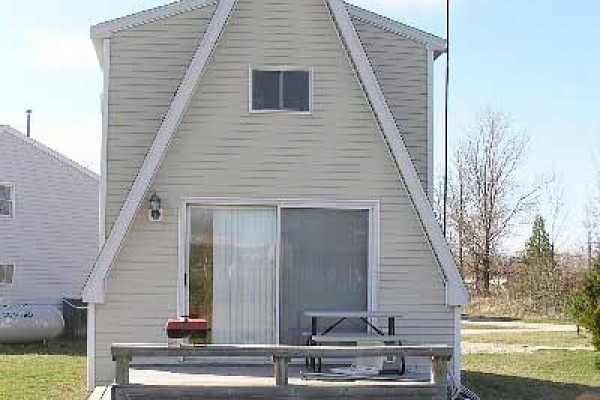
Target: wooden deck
column 256, row 382
column 281, row 380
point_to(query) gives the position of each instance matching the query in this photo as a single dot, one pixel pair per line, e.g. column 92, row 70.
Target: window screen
column 6, row 200
column 281, row 91
column 6, row 274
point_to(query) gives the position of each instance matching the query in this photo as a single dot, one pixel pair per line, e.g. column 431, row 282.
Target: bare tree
column 456, row 209
column 487, row 198
column 591, row 220
column 556, row 214
column 589, row 225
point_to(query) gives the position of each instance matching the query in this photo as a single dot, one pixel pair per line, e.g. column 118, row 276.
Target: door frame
column 373, row 206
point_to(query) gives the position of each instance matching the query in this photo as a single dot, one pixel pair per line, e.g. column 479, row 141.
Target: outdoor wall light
column 155, row 213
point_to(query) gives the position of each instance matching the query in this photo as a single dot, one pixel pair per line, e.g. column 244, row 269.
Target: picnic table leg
column 391, row 326
column 313, row 331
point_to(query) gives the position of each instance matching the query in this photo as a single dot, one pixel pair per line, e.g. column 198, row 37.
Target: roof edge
column 51, row 152
column 106, row 29
column 432, row 42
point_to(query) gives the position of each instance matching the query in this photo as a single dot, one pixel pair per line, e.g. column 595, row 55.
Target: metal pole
column 447, row 91
column 28, row 112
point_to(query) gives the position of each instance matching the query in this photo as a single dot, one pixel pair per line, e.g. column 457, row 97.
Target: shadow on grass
column 63, row 347
column 502, row 387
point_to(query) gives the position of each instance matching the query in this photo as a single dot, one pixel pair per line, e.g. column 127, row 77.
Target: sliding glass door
column 232, row 272
column 324, row 266
column 252, row 291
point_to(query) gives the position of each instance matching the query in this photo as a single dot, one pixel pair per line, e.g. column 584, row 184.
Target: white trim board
column 91, row 346
column 91, row 315
column 430, row 125
column 104, row 148
column 456, row 293
column 52, row 153
column 456, row 359
column 94, row 288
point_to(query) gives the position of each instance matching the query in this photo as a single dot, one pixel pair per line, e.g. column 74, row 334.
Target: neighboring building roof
column 456, row 293
column 50, row 152
column 106, row 29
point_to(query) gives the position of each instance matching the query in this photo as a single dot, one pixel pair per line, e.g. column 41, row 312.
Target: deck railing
column 123, row 354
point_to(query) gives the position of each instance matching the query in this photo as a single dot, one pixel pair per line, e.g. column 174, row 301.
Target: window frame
column 12, row 201
column 14, row 270
column 280, row 68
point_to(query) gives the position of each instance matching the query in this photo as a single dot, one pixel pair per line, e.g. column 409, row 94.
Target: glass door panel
column 232, row 255
column 324, row 266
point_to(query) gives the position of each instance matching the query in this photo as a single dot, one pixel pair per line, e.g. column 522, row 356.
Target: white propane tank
column 29, row 323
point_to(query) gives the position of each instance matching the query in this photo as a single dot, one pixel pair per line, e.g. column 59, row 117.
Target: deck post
column 281, row 364
column 122, row 372
column 439, row 370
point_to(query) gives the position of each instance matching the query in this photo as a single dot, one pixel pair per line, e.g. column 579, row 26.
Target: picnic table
column 328, row 335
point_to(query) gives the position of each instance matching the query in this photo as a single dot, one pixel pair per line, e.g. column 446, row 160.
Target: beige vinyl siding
column 400, row 65
column 147, row 63
column 53, row 236
column 221, row 150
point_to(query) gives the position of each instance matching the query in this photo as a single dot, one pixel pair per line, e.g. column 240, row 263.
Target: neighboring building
column 289, row 144
column 48, row 222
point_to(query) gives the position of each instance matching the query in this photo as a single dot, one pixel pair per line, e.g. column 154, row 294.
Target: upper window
column 7, row 200
column 7, row 272
column 281, row 90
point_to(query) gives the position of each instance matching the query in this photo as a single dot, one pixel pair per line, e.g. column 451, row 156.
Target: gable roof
column 105, row 30
column 456, row 293
column 50, row 152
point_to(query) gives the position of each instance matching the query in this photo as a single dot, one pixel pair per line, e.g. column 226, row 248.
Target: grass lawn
column 541, row 320
column 564, row 339
column 540, row 375
column 33, row 371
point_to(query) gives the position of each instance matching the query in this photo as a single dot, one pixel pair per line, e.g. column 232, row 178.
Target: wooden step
column 413, row 392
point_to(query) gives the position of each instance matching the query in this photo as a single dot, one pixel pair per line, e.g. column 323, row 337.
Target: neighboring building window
column 285, row 90
column 7, row 200
column 7, row 272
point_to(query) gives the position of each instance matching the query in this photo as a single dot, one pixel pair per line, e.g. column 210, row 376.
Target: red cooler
column 181, row 328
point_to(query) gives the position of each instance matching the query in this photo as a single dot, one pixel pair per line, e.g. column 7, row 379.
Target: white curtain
column 244, row 241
